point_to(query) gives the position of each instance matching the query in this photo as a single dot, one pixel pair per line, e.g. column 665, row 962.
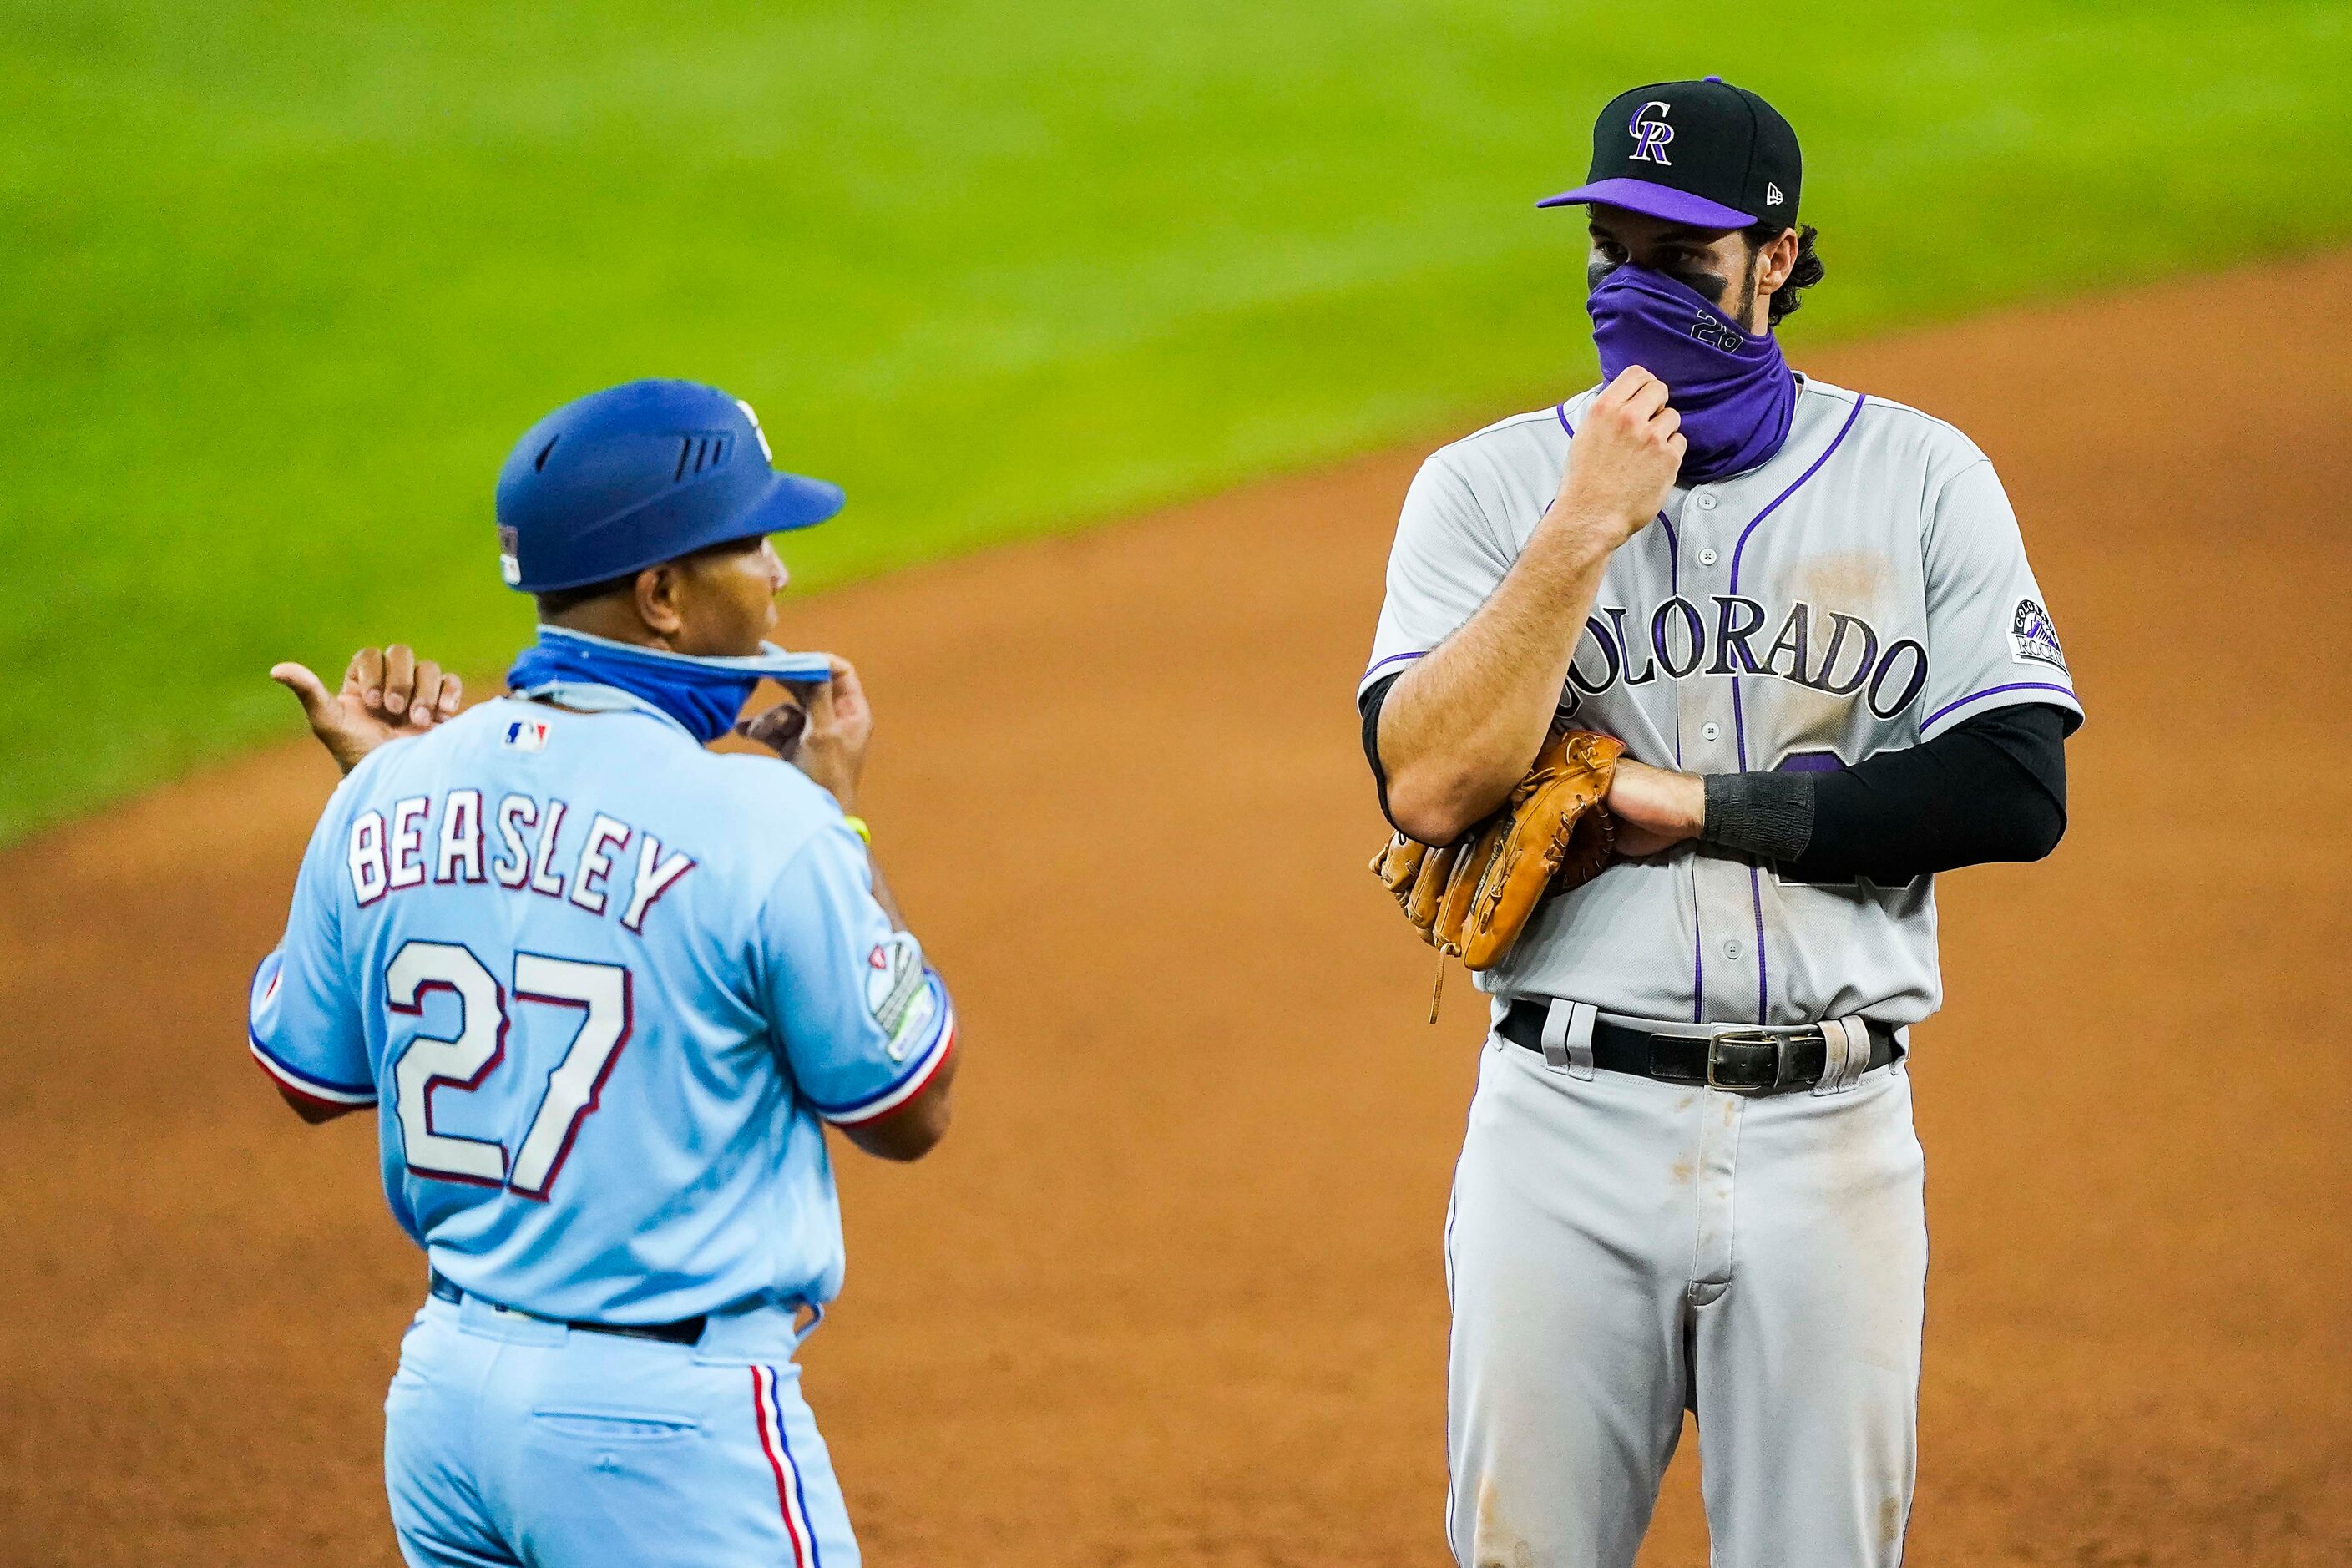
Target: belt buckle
column 1745, row 1080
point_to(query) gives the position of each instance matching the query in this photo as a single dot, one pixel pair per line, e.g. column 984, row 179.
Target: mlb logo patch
column 528, row 735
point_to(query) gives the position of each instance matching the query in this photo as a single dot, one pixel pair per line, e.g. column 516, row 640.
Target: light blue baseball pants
column 512, row 1442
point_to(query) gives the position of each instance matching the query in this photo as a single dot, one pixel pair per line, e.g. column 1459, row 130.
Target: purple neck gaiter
column 1735, row 392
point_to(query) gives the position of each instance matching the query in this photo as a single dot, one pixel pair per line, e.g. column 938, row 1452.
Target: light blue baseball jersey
column 603, row 986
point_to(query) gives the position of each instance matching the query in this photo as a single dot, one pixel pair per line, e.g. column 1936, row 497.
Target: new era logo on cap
column 1772, row 195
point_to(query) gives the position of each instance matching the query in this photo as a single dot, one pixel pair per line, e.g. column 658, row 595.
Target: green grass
column 282, row 283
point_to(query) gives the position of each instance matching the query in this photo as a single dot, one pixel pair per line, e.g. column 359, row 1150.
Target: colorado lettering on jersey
column 389, row 854
column 1828, row 651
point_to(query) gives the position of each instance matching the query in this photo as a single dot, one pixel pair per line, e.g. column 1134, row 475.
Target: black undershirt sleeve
column 1993, row 788
column 1368, row 705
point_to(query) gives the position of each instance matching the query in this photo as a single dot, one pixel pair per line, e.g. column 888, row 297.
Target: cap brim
column 793, row 501
column 1653, row 200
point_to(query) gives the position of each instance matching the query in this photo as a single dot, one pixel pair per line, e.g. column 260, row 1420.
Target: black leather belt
column 1749, row 1061
column 685, row 1332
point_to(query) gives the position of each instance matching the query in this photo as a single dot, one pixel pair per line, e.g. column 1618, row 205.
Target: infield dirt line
column 1171, row 1295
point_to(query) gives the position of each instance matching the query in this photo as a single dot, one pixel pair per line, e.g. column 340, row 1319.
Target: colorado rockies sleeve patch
column 2032, row 640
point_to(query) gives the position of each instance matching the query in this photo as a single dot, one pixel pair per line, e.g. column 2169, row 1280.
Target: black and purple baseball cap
column 1702, row 152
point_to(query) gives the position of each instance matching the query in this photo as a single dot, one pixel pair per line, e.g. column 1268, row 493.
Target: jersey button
column 1707, row 557
column 1731, row 950
column 1705, row 500
column 1709, row 732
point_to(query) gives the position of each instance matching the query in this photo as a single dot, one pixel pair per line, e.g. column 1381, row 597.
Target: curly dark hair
column 1807, row 273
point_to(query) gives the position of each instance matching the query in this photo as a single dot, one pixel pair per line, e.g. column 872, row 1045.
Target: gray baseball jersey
column 1863, row 590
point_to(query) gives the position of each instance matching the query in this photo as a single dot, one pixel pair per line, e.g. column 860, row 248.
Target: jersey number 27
column 601, row 990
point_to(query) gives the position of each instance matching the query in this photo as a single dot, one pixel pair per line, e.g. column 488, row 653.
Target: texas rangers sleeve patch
column 898, row 995
column 2032, row 638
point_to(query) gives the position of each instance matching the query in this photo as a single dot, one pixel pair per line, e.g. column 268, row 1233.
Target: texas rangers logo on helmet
column 1651, row 136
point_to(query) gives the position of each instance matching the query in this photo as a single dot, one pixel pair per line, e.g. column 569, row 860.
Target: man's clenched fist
column 1624, row 459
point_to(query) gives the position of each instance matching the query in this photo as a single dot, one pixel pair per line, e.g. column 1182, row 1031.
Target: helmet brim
column 793, row 500
column 787, row 501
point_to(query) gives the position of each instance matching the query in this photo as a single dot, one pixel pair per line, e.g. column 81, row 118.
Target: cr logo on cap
column 1651, row 136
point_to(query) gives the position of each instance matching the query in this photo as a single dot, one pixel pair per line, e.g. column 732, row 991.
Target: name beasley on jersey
column 1683, row 639
column 387, row 855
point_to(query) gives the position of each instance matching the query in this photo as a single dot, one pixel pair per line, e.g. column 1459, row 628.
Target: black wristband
column 1766, row 814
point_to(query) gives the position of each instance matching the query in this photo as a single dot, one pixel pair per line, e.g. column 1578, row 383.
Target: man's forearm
column 1991, row 788
column 1461, row 727
column 883, row 896
column 1463, row 724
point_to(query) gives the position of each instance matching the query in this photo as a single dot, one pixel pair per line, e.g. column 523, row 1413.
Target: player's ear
column 1780, row 261
column 657, row 594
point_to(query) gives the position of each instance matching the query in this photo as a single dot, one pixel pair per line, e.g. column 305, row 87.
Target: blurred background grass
column 283, row 282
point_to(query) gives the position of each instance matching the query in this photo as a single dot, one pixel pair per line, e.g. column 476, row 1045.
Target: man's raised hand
column 1624, row 459
column 824, row 732
column 387, row 693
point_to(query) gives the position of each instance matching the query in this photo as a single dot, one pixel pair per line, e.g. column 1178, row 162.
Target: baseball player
column 1690, row 1178
column 604, row 989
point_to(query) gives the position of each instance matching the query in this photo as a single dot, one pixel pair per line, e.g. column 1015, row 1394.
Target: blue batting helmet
column 639, row 474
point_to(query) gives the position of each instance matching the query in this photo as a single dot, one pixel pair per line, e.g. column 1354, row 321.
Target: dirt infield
column 1172, row 1292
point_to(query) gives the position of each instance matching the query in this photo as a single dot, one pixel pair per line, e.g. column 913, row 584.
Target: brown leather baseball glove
column 1473, row 898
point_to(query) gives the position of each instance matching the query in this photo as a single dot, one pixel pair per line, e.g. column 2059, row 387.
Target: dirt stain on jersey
column 1852, row 582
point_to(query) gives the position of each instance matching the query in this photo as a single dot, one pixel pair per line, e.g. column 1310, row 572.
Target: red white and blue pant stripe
column 792, row 1491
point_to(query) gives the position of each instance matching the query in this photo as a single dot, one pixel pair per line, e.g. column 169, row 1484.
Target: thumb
column 318, row 702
